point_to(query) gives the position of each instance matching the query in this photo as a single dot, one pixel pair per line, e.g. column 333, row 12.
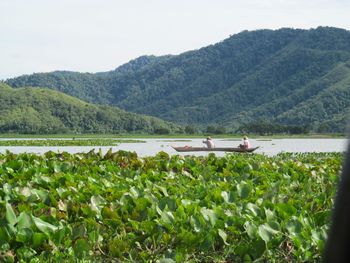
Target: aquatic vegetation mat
column 70, row 142
column 61, row 207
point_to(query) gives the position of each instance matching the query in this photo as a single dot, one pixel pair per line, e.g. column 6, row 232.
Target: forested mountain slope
column 39, row 110
column 263, row 75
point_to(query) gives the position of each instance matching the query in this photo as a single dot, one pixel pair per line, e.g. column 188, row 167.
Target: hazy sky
column 99, row 35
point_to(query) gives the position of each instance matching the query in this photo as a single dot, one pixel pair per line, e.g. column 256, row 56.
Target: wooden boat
column 216, row 149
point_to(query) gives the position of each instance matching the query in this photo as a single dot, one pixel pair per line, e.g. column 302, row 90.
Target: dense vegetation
column 285, row 77
column 63, row 207
column 65, row 142
column 32, row 110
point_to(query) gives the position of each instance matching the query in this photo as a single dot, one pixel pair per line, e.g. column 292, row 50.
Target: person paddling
column 209, row 142
column 246, row 143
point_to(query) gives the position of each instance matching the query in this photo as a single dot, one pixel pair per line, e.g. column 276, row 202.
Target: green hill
column 39, row 110
column 285, row 76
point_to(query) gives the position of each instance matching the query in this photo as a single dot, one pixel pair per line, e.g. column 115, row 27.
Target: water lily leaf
column 62, row 206
column 43, row 195
column 169, row 202
column 96, row 202
column 254, row 209
column 209, row 215
column 38, row 239
column 267, row 231
column 270, row 215
column 286, row 210
column 251, row 229
column 10, row 215
column 81, row 248
column 223, row 235
column 294, row 226
column 167, row 260
column 79, row 231
column 3, row 234
column 162, row 189
column 7, row 188
column 243, row 190
column 25, row 253
column 167, row 217
column 134, row 193
column 195, row 223
column 43, row 226
column 186, row 202
column 25, row 191
column 24, row 235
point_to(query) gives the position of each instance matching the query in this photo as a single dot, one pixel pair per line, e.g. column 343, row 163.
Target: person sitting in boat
column 209, row 142
column 245, row 144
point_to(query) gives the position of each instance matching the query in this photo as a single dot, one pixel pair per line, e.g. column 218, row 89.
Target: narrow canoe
column 217, row 149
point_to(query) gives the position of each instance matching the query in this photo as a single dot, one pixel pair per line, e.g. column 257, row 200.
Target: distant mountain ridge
column 287, row 76
column 39, row 110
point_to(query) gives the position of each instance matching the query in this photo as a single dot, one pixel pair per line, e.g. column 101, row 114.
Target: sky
column 100, row 35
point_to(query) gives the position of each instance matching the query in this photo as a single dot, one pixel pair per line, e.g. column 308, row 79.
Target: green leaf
column 223, row 235
column 195, row 223
column 265, row 233
column 186, row 202
column 42, row 195
column 97, row 202
column 243, row 190
column 227, row 196
column 162, row 189
column 286, row 210
column 24, row 221
column 257, row 248
column 268, row 230
column 43, row 226
column 209, row 215
column 10, row 215
column 81, row 248
column 3, row 234
column 25, row 253
column 254, row 209
column 38, row 239
column 134, row 193
column 251, row 229
column 167, row 260
column 270, row 215
column 79, row 231
column 60, row 234
column 294, row 227
column 167, row 217
column 24, row 235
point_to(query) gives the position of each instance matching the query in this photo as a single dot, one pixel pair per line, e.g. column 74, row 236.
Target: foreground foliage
column 63, row 207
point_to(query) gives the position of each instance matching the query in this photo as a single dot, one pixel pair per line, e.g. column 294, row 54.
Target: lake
column 153, row 146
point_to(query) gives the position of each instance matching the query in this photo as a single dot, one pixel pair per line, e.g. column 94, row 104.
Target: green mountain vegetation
column 40, row 110
column 287, row 77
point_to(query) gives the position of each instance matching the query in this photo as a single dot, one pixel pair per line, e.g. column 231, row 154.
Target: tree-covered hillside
column 286, row 76
column 39, row 110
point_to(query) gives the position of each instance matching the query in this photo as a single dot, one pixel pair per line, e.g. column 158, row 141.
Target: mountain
column 286, row 76
column 40, row 110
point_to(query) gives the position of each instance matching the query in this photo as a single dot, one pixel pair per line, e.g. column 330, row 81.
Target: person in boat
column 209, row 143
column 245, row 144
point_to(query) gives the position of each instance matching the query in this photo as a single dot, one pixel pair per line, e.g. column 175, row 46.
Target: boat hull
column 217, row 149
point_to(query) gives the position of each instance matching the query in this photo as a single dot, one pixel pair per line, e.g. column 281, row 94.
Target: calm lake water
column 153, row 146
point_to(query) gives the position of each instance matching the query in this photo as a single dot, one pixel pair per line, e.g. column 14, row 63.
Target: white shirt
column 210, row 144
